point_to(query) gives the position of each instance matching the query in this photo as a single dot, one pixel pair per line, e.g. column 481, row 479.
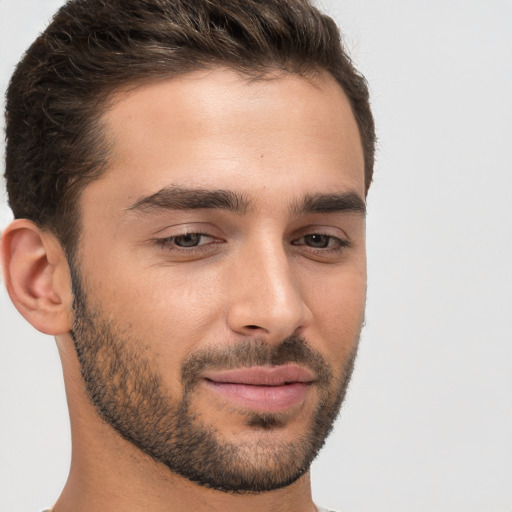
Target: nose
column 266, row 297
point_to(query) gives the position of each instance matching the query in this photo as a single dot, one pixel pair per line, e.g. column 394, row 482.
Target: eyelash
column 169, row 243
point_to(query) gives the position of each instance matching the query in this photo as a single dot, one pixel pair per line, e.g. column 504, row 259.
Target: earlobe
column 36, row 275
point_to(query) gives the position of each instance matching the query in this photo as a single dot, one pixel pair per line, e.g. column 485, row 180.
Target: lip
column 262, row 388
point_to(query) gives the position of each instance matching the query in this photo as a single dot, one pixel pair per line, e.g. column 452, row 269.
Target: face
column 220, row 278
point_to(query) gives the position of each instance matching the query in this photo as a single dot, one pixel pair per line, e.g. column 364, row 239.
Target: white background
column 427, row 425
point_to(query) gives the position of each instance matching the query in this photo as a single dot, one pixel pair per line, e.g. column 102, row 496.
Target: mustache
column 250, row 352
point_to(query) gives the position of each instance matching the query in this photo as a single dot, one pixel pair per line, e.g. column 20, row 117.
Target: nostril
column 252, row 327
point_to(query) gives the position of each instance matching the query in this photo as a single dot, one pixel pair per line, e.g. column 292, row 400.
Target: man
column 188, row 180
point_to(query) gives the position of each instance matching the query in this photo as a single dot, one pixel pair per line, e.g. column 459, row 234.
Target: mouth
column 262, row 388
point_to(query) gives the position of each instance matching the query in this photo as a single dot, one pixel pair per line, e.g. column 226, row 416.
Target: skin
column 254, row 276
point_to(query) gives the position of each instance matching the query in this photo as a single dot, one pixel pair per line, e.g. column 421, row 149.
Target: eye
column 318, row 241
column 321, row 241
column 190, row 239
column 186, row 240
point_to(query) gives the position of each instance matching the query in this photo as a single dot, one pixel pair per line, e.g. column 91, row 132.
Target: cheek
column 171, row 309
column 338, row 311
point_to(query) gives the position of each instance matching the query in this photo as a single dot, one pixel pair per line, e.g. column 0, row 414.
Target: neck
column 104, row 491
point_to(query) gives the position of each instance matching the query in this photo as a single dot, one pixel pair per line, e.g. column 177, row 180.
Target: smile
column 261, row 388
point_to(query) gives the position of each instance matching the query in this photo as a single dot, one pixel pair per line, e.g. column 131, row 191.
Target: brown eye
column 317, row 241
column 190, row 246
column 324, row 243
column 188, row 240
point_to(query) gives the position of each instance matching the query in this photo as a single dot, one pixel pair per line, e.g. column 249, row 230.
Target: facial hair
column 129, row 394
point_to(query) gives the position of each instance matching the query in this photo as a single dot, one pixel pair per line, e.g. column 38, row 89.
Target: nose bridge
column 268, row 299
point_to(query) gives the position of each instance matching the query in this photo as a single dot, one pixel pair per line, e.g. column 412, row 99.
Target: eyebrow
column 330, row 203
column 176, row 198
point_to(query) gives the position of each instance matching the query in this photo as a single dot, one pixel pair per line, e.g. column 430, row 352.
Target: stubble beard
column 129, row 394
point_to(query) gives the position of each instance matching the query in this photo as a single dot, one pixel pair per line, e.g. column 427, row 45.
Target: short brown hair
column 59, row 90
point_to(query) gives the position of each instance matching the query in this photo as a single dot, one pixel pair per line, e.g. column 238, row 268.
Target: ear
column 37, row 276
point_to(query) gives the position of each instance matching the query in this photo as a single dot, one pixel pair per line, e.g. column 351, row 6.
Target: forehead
column 219, row 129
